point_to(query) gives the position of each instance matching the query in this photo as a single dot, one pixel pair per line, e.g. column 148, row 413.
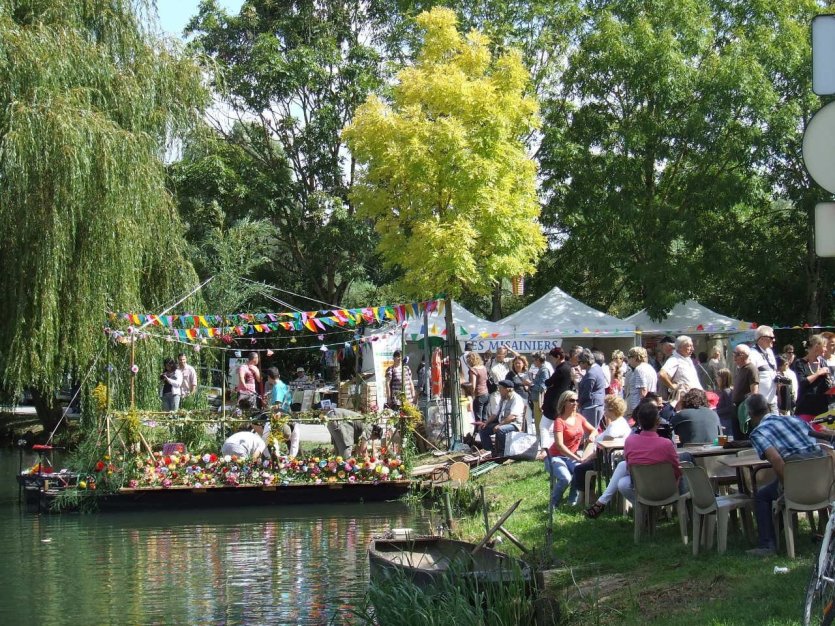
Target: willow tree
column 445, row 175
column 90, row 99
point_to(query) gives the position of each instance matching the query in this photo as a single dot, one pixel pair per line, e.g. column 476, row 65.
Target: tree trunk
column 496, row 311
column 48, row 411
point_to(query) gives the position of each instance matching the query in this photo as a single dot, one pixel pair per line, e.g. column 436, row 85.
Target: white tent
column 688, row 318
column 557, row 315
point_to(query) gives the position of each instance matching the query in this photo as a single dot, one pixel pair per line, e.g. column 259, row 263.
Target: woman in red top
column 569, row 430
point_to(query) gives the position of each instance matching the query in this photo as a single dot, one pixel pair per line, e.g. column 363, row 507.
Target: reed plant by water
column 454, row 600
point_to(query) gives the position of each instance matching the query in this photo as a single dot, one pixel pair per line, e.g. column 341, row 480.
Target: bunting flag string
column 195, row 327
column 314, row 321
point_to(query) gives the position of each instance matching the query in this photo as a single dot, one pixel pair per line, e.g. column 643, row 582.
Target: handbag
column 519, row 445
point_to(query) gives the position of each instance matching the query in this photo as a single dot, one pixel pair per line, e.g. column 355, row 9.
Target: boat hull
column 426, row 560
column 179, row 498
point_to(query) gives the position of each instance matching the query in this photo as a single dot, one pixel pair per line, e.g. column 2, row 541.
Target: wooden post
column 109, row 442
column 107, row 368
column 132, row 375
column 450, row 522
column 484, row 509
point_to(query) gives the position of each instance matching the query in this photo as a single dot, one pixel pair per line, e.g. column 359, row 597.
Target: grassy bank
column 610, row 580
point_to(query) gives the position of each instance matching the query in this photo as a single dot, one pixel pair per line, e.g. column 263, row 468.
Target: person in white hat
column 301, row 376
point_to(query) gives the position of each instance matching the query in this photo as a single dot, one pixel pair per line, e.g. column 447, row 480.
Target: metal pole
column 427, row 369
column 454, row 386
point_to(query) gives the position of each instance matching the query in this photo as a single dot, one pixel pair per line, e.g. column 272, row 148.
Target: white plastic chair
column 710, row 509
column 807, row 486
column 656, row 486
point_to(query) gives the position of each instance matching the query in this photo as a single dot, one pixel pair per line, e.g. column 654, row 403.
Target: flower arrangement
column 211, row 470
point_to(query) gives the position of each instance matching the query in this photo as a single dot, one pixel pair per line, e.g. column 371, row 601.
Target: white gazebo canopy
column 556, row 314
column 688, row 318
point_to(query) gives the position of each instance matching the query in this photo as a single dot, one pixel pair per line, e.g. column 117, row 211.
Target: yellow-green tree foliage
column 445, row 174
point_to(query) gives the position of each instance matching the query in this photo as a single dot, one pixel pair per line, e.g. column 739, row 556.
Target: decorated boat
column 129, row 472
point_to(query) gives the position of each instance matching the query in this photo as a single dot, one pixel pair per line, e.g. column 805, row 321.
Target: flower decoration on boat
column 209, row 470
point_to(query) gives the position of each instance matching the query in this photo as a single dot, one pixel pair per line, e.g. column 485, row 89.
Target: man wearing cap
column 508, row 418
column 762, row 357
column 667, row 346
column 301, row 378
column 248, row 443
column 678, row 371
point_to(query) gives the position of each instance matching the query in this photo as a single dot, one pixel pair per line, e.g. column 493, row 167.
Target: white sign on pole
column 823, row 55
column 819, row 147
column 825, row 229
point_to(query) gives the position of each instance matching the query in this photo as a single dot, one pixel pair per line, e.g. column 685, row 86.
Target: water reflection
column 257, row 565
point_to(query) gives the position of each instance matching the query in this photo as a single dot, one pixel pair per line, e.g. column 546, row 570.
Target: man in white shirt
column 678, row 371
column 189, row 384
column 762, row 356
column 499, row 368
column 508, row 418
column 248, row 443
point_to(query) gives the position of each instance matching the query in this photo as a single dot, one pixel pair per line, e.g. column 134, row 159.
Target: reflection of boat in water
column 41, row 490
column 426, row 560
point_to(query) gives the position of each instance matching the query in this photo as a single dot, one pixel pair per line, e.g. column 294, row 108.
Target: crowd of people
column 651, row 401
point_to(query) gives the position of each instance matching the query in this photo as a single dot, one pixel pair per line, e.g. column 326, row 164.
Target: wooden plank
column 496, row 527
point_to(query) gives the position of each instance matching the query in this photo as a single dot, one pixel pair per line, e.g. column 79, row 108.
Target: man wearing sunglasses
column 763, row 358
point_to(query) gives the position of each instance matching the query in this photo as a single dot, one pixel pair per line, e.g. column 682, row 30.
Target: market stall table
column 707, row 449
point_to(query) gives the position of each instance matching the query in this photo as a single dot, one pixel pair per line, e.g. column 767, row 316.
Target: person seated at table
column 695, row 422
column 570, row 428
column 248, row 443
column 642, row 448
column 777, row 439
column 508, row 418
column 617, row 428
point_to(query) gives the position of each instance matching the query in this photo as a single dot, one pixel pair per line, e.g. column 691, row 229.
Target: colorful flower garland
column 211, row 470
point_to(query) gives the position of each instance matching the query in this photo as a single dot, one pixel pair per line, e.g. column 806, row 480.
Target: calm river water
column 258, row 565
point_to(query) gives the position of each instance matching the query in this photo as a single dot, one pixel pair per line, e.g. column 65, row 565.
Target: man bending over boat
column 347, row 430
column 248, row 443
